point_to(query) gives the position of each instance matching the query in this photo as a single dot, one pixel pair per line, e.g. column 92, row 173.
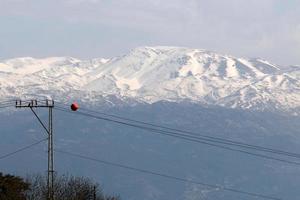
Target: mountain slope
column 152, row 74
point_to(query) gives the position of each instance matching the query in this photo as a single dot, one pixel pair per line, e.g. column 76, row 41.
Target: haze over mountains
column 153, row 74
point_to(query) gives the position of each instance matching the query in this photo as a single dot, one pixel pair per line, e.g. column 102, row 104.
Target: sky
column 269, row 29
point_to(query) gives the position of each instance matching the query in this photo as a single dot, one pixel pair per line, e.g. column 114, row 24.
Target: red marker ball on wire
column 74, row 106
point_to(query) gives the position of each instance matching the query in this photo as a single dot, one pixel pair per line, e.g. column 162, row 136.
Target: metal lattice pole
column 50, row 158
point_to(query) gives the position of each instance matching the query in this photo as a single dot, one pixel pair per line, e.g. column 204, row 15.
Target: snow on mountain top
column 151, row 74
column 28, row 65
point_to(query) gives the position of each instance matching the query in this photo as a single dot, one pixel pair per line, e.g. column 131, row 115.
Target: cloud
column 110, row 27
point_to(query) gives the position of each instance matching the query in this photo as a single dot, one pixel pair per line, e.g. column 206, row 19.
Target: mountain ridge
column 152, row 74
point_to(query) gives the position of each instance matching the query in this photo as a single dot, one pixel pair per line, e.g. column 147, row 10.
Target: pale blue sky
column 104, row 28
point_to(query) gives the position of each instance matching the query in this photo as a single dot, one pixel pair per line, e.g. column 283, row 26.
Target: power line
column 204, row 137
column 9, row 101
column 176, row 135
column 5, row 106
column 22, row 149
column 168, row 176
column 6, row 100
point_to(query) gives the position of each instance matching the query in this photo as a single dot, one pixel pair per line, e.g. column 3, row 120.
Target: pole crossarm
column 34, row 104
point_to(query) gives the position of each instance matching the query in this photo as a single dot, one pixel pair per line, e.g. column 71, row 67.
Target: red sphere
column 74, row 106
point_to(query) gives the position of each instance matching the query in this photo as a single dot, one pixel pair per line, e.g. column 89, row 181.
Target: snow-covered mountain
column 152, row 74
column 168, row 86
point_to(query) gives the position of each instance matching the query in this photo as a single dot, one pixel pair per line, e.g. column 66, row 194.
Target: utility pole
column 94, row 193
column 44, row 104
